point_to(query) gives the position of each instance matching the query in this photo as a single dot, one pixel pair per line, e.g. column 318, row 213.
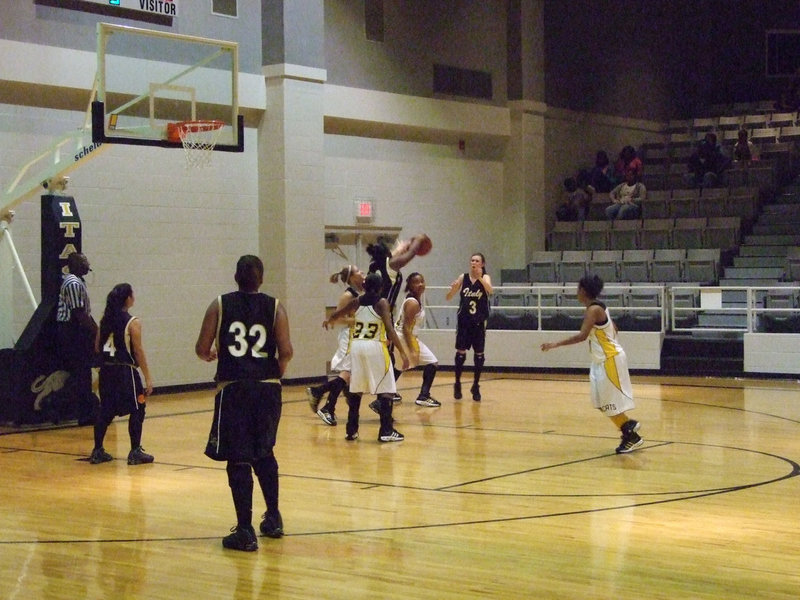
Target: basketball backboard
column 148, row 80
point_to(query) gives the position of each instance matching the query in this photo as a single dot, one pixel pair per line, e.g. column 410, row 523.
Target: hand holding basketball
column 425, row 245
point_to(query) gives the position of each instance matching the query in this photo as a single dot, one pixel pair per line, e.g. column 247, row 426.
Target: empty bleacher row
column 681, row 233
column 633, row 307
column 662, row 265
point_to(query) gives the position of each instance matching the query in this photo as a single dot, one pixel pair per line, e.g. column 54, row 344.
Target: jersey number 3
column 244, row 341
column 365, row 334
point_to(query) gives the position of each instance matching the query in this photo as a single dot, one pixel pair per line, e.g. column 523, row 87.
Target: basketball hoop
column 198, row 139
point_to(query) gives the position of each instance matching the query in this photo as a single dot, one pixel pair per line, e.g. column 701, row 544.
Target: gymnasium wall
column 175, row 235
column 469, row 34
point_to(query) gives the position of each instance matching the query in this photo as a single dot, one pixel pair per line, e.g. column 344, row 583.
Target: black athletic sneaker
column 630, row 439
column 476, row 392
column 397, row 398
column 241, row 538
column 314, row 398
column 630, row 443
column 394, row 436
column 138, row 456
column 327, row 417
column 629, row 427
column 351, row 437
column 375, row 407
column 457, row 390
column 272, row 524
column 426, row 400
column 99, row 455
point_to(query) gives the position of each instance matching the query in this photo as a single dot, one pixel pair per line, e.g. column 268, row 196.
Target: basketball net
column 198, row 139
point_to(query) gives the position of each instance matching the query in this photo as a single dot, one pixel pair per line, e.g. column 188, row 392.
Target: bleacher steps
column 772, row 240
column 755, row 282
column 733, row 273
column 779, row 228
column 749, row 251
column 763, row 260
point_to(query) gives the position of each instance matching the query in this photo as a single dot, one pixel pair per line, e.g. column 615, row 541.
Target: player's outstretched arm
column 454, row 287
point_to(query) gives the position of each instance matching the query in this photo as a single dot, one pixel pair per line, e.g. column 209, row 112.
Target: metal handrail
column 669, row 309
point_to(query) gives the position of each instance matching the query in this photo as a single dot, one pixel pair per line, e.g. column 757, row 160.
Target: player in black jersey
column 119, row 339
column 247, row 332
column 387, row 263
column 474, row 289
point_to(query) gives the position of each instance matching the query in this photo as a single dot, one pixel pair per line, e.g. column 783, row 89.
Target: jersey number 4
column 109, row 349
column 244, row 341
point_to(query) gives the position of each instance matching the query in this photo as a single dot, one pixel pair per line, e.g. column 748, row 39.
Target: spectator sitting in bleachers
column 744, row 151
column 626, row 198
column 707, row 164
column 601, row 176
column 576, row 204
column 628, row 161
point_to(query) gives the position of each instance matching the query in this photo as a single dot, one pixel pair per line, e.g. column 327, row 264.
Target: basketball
column 425, row 245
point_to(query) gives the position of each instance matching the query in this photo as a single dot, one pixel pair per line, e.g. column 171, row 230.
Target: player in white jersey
column 371, row 366
column 611, row 388
column 412, row 316
column 353, row 278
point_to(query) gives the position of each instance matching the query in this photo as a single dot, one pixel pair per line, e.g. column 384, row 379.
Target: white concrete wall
column 522, row 349
column 772, row 353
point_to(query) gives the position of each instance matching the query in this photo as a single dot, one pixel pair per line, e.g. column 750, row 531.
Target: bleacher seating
column 688, row 232
column 646, row 318
column 782, row 119
column 605, row 264
column 508, row 276
column 792, row 268
column 543, row 266
column 656, row 233
column 594, row 235
column 730, row 123
column 673, row 231
column 656, row 204
column 780, row 320
column 635, row 265
column 511, row 311
column 664, row 265
column 684, row 203
column 573, row 264
column 667, row 265
column 702, row 265
column 624, row 234
column 564, row 235
column 722, row 232
column 683, row 302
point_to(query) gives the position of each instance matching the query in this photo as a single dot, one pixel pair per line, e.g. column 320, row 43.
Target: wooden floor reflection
column 519, row 496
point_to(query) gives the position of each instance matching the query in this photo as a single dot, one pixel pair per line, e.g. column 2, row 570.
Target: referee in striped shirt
column 75, row 332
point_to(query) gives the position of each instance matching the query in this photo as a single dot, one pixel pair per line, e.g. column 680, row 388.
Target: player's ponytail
column 343, row 275
column 115, row 306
